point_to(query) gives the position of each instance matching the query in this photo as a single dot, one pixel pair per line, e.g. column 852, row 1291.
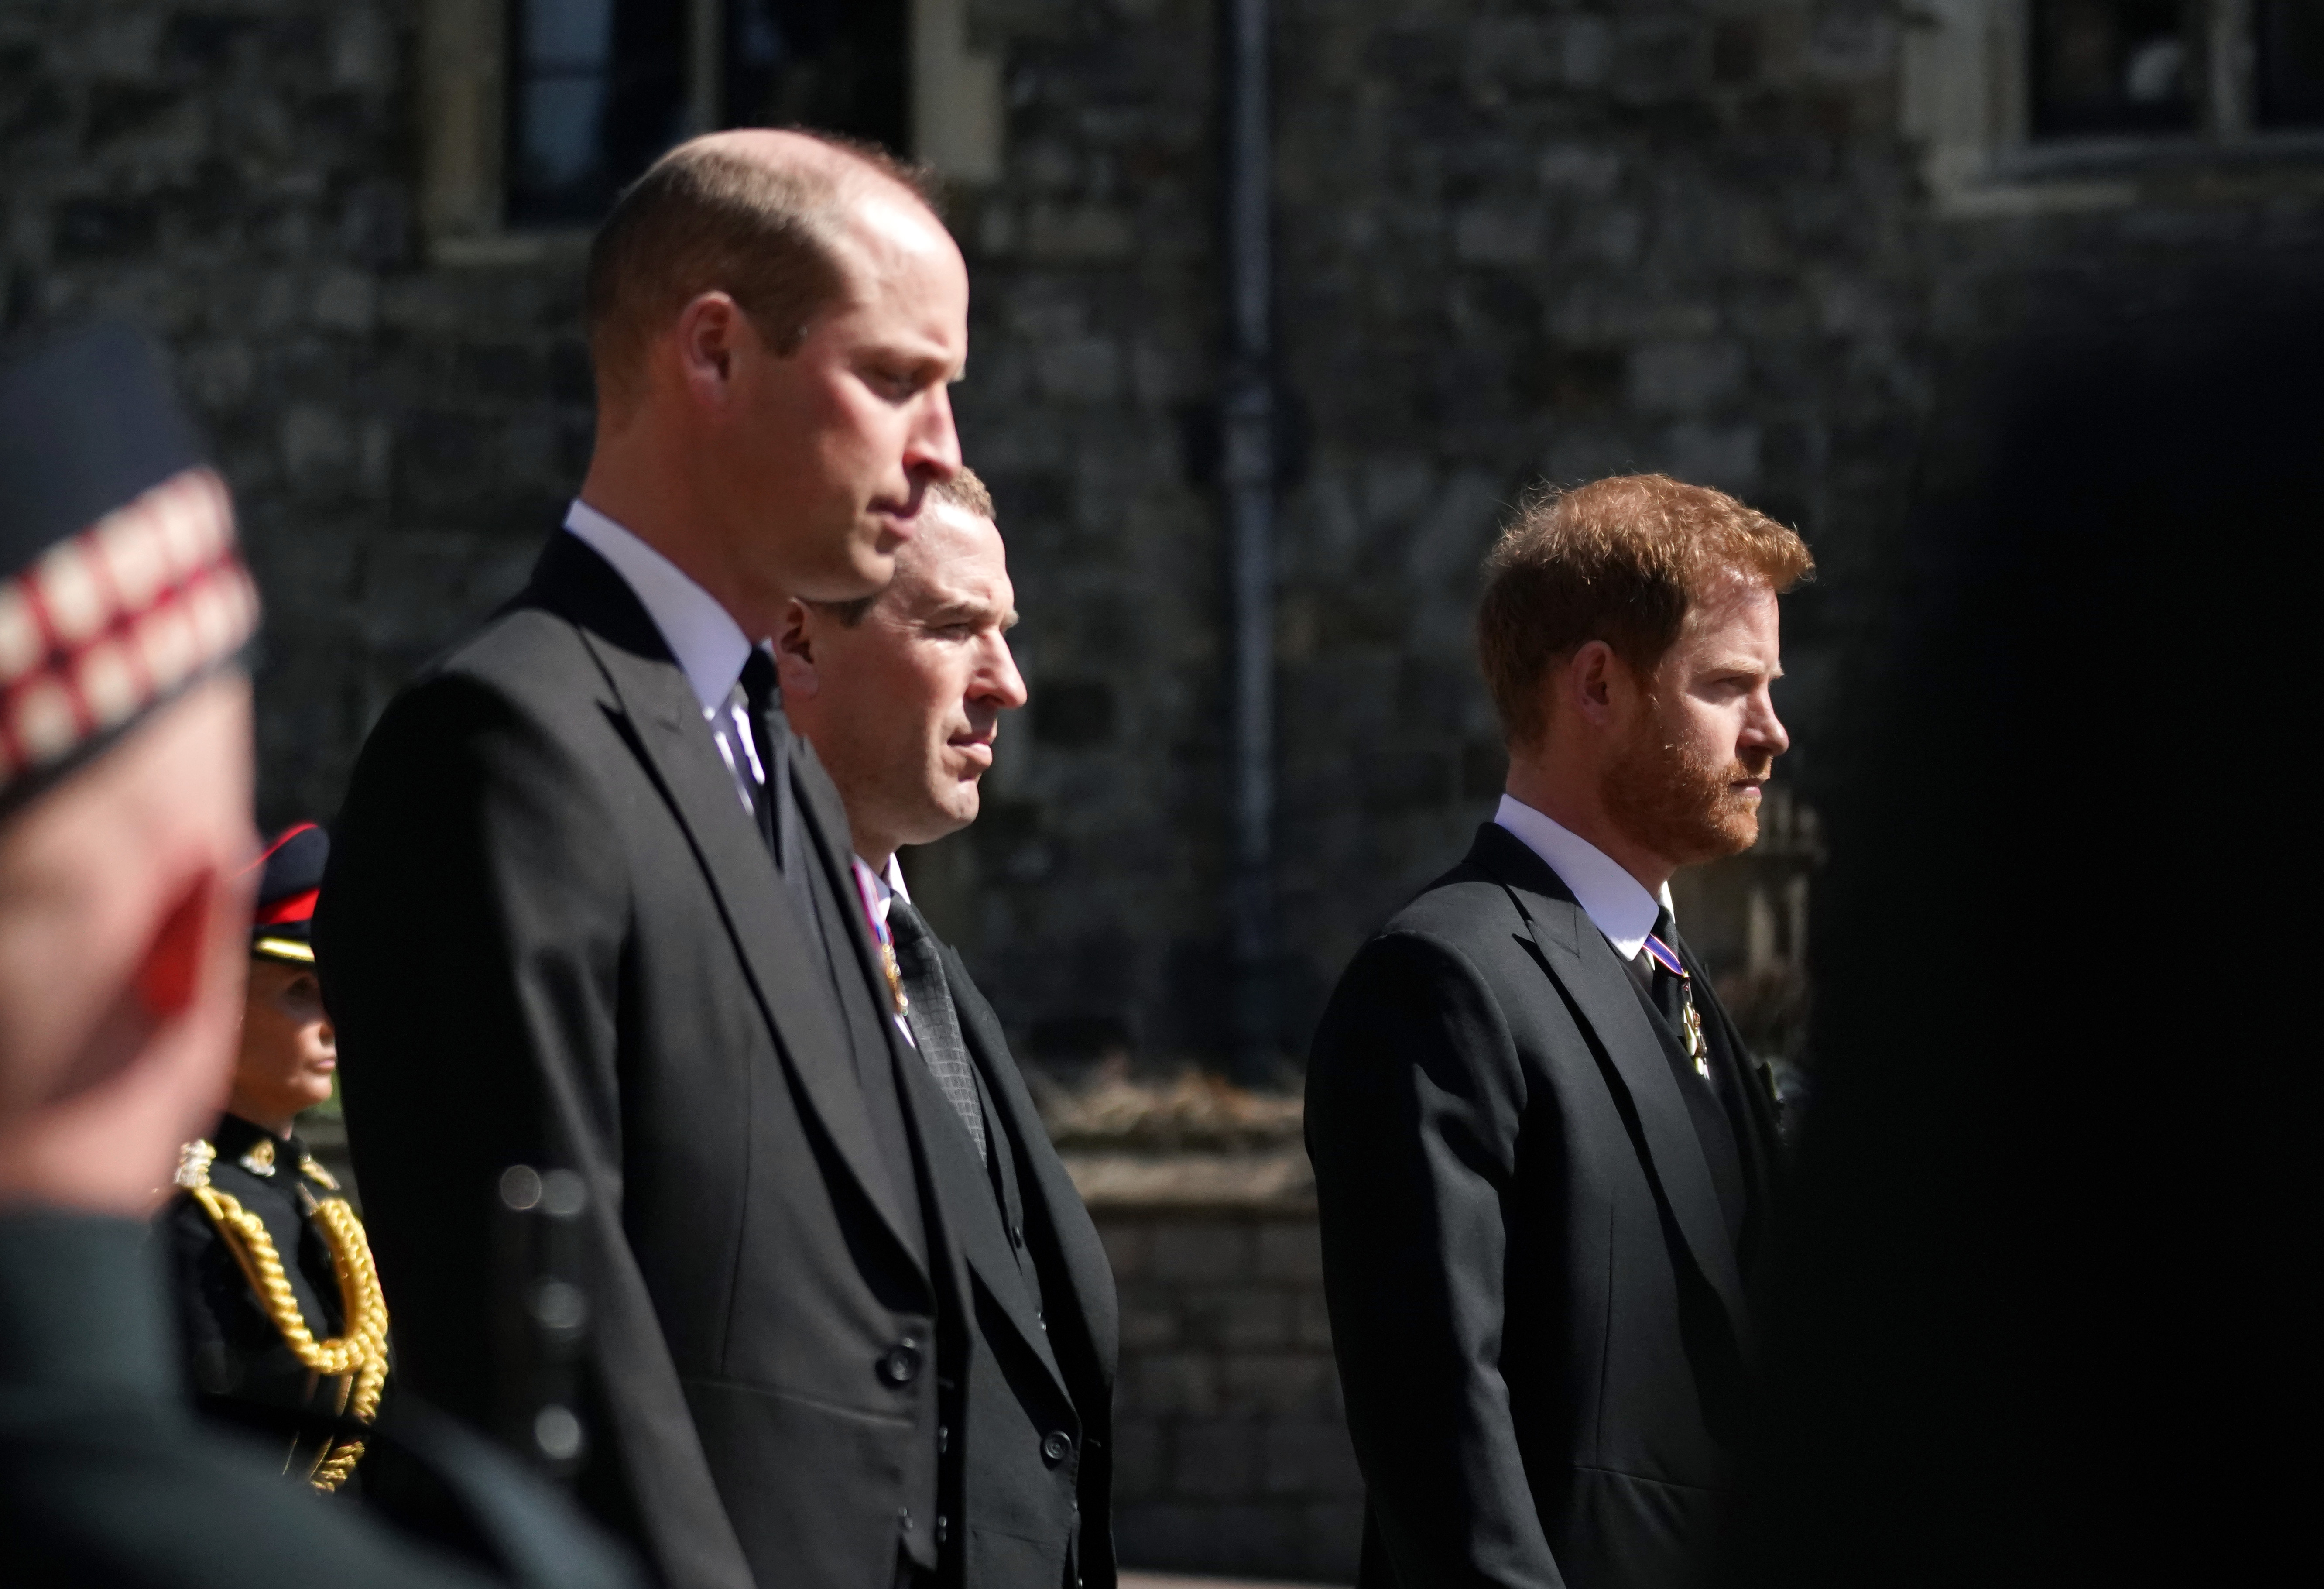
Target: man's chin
column 1724, row 834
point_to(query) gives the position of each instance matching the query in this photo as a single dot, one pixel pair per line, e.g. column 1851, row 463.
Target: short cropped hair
column 1619, row 559
column 964, row 491
column 703, row 220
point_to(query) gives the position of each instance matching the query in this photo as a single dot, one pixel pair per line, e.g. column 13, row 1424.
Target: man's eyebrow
column 1747, row 665
column 969, row 611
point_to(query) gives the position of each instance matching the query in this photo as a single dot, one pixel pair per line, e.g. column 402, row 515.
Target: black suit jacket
column 1538, row 1310
column 551, row 934
column 1036, row 1351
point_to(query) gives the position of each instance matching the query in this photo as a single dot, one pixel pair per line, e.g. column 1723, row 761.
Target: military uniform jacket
column 545, row 900
column 1537, row 1286
column 107, row 1478
column 236, row 1356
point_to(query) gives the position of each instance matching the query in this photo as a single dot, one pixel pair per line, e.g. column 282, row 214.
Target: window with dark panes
column 598, row 89
column 837, row 65
column 2290, row 36
column 2114, row 65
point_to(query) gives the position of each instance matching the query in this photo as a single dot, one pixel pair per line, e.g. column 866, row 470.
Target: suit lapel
column 672, row 739
column 1583, row 964
column 1041, row 1176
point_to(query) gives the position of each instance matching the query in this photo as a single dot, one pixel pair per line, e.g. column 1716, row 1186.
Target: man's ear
column 708, row 328
column 170, row 975
column 1592, row 683
column 795, row 664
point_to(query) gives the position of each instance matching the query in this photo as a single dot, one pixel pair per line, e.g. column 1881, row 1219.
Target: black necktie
column 936, row 1024
column 776, row 807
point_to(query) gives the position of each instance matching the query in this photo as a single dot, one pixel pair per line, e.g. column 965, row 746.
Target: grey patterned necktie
column 936, row 1024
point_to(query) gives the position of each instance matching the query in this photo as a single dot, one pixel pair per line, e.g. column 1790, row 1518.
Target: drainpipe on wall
column 1247, row 476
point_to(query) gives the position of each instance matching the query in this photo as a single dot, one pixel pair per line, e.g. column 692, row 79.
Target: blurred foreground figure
column 124, row 911
column 2047, row 1290
column 901, row 698
column 1543, row 1158
column 589, row 905
column 279, row 1304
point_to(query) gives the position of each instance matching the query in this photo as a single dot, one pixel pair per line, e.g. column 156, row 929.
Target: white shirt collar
column 885, row 885
column 708, row 642
column 1617, row 903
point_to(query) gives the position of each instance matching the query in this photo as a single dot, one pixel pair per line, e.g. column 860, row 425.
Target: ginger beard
column 1679, row 800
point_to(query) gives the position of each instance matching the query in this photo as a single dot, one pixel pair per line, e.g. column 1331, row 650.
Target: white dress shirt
column 709, row 645
column 1617, row 903
column 881, row 886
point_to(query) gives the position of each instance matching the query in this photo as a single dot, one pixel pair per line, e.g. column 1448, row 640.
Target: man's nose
column 1764, row 730
column 998, row 680
column 933, row 447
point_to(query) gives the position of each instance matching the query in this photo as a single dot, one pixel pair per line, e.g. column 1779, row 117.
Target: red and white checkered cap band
column 108, row 622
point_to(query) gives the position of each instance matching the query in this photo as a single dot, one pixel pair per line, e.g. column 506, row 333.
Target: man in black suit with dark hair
column 1542, row 1156
column 902, row 699
column 588, row 885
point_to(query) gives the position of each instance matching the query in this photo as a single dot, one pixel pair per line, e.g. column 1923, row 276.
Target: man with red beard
column 1542, row 1156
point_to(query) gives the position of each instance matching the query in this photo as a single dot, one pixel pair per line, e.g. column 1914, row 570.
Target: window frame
column 955, row 114
column 1967, row 98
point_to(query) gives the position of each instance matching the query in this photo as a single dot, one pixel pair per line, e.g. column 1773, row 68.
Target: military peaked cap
column 290, row 877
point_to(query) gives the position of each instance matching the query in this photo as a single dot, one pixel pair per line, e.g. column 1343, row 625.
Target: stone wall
column 1233, row 1452
column 1517, row 239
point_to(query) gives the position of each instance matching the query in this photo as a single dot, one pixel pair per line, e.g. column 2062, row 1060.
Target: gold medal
column 895, row 976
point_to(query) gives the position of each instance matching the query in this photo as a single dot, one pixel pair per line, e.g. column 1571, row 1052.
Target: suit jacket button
column 1056, row 1448
column 904, row 1519
column 944, row 1527
column 900, row 1363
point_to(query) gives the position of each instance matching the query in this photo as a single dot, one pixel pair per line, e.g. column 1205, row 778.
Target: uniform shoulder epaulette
column 194, row 1160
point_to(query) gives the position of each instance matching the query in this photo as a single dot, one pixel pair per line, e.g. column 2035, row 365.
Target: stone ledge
column 1274, row 1180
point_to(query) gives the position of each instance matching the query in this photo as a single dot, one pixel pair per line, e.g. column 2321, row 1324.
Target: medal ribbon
column 886, row 939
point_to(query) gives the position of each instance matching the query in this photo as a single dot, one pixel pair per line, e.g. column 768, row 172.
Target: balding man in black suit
column 588, row 883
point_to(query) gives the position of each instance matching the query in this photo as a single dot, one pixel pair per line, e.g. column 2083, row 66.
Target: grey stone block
column 1204, row 1250
column 1169, row 1384
column 1685, row 378
column 1192, row 1537
column 1216, row 1458
column 1126, row 1243
column 1279, row 1383
column 1148, row 1325
column 1331, row 1540
column 1312, row 1459
column 1141, row 1468
column 1313, row 1321
column 1238, row 1318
